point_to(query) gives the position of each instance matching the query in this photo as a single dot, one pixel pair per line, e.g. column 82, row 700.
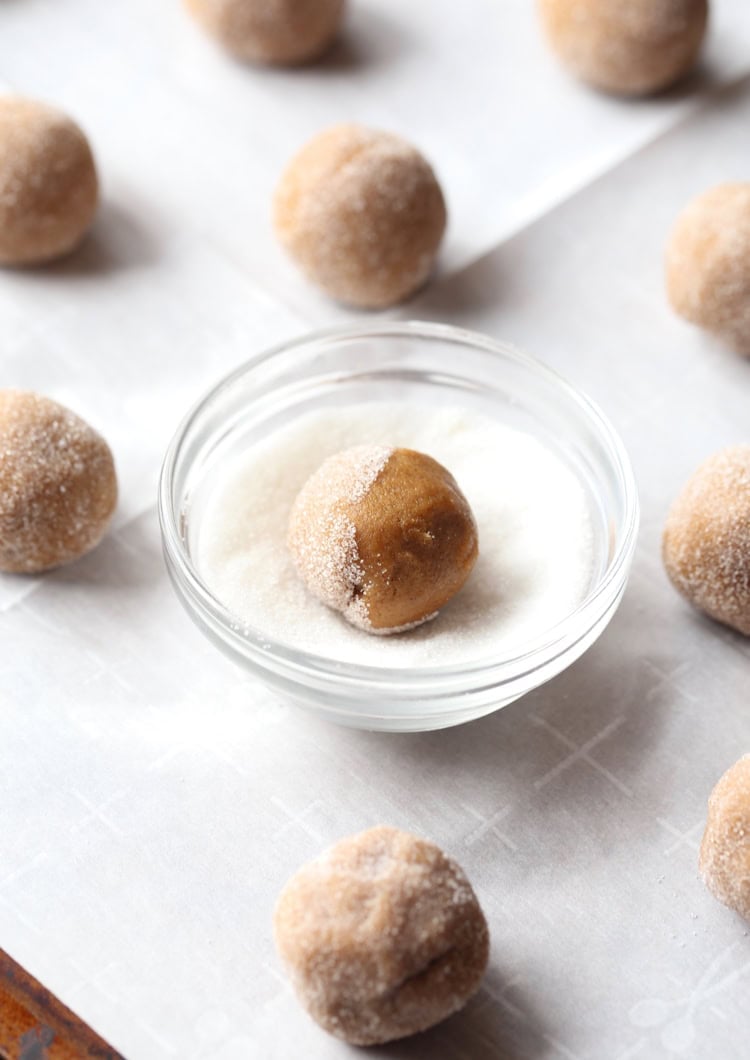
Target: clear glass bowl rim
column 495, row 670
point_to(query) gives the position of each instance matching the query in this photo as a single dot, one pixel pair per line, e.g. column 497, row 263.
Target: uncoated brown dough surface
column 383, row 535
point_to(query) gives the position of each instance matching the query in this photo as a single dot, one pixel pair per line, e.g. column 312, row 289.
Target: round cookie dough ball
column 725, row 850
column 57, row 484
column 627, row 47
column 48, row 184
column 382, row 535
column 708, row 264
column 382, row 936
column 282, row 32
column 362, row 214
column 706, row 541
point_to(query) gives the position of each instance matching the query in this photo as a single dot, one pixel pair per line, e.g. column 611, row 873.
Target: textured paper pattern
column 153, row 798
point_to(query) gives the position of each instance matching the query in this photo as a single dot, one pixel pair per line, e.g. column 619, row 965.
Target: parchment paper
column 153, row 799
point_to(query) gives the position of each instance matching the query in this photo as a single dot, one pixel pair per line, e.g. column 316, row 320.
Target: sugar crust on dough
column 280, row 32
column 322, row 536
column 706, row 540
column 725, row 849
column 382, row 936
column 362, row 214
column 382, row 535
column 48, row 183
column 57, row 484
column 708, row 263
column 626, row 47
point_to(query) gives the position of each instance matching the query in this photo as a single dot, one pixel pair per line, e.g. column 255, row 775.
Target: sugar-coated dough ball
column 362, row 214
column 48, row 184
column 282, row 32
column 627, row 47
column 725, row 850
column 706, row 541
column 383, row 535
column 57, row 484
column 708, row 263
column 382, row 936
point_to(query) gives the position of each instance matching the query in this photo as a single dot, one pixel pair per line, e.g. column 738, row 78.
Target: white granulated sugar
column 535, row 535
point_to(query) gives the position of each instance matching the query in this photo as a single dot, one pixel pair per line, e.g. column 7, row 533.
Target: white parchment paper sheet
column 152, row 798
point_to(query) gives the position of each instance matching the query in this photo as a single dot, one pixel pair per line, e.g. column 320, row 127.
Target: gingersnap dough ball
column 626, row 47
column 362, row 214
column 48, row 183
column 382, row 535
column 280, row 32
column 57, row 483
column 706, row 540
column 725, row 850
column 382, row 936
column 708, row 264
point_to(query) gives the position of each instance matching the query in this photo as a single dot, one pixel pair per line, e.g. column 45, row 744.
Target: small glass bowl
column 415, row 362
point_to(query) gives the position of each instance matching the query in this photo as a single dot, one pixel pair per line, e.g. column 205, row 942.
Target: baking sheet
column 154, row 799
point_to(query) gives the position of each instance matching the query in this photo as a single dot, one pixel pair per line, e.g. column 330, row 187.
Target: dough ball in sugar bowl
column 725, row 850
column 362, row 213
column 708, row 264
column 48, row 184
column 383, row 535
column 279, row 32
column 706, row 540
column 58, row 488
column 382, row 936
column 626, row 47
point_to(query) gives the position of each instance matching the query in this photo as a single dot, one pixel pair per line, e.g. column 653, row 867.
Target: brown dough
column 281, row 32
column 48, row 183
column 725, row 850
column 708, row 264
column 383, row 535
column 362, row 214
column 57, row 484
column 706, row 541
column 382, row 936
column 627, row 47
